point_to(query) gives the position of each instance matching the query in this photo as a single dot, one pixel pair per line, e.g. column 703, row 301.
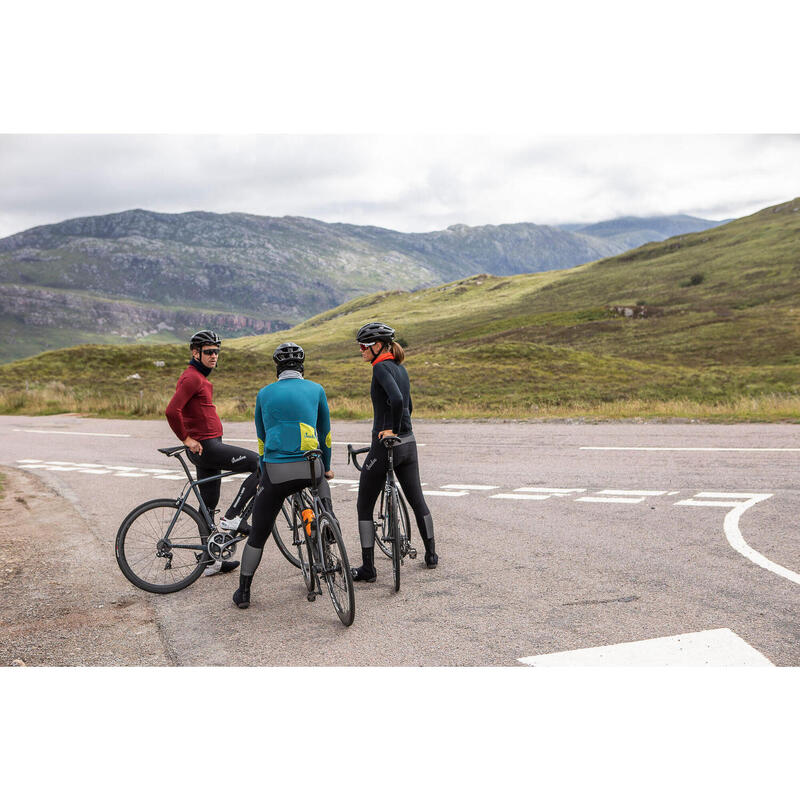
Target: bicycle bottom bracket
column 221, row 545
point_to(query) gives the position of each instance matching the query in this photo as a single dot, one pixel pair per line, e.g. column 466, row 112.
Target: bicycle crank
column 221, row 545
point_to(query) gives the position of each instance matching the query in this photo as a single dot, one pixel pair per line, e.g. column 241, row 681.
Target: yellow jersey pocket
column 308, row 437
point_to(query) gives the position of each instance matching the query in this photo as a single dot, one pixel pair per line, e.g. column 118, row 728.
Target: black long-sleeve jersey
column 391, row 397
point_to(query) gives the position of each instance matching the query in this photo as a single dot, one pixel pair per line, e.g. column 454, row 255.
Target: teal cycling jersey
column 292, row 417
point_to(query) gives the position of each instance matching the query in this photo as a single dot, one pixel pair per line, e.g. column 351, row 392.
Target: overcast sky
column 408, row 183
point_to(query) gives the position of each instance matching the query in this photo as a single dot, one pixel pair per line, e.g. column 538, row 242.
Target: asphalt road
column 616, row 555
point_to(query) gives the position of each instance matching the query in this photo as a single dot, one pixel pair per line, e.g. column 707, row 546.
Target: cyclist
column 193, row 417
column 392, row 406
column 292, row 417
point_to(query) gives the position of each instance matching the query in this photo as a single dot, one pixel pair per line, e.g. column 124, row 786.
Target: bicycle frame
column 192, row 487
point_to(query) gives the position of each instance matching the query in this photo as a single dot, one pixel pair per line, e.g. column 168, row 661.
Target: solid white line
column 132, row 475
column 73, row 433
column 609, row 499
column 737, row 542
column 95, row 471
column 521, row 496
column 714, row 648
column 705, row 449
column 170, row 477
column 633, row 492
column 434, row 493
column 336, row 481
column 29, row 461
column 469, row 486
column 546, row 489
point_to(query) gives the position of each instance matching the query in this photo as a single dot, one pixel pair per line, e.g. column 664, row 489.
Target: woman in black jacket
column 391, row 403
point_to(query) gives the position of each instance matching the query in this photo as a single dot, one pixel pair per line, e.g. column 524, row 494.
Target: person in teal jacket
column 292, row 417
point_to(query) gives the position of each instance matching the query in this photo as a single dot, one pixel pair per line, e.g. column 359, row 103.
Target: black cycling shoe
column 364, row 574
column 431, row 560
column 241, row 598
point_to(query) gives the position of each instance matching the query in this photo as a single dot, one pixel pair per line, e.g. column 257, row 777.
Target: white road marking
column 670, row 494
column 62, row 469
column 714, row 648
column 595, row 499
column 34, row 466
column 337, row 481
column 95, row 471
column 545, row 489
column 132, row 475
column 705, row 449
column 169, row 477
column 520, row 496
column 29, row 461
column 434, row 493
column 73, row 433
column 732, row 532
column 632, row 492
column 469, row 486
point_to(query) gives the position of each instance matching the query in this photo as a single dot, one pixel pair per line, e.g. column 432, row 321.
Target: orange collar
column 383, row 357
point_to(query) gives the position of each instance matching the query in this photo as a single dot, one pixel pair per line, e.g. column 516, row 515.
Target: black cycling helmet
column 375, row 332
column 288, row 353
column 204, row 337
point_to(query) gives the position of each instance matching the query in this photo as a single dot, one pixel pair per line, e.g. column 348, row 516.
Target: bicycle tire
column 137, row 542
column 304, row 542
column 394, row 535
column 385, row 547
column 282, row 546
column 336, row 568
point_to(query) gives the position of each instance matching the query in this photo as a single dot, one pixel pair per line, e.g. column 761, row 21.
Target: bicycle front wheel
column 154, row 560
column 336, row 568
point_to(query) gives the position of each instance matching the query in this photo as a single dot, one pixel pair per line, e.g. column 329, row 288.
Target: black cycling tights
column 373, row 477
column 217, row 457
column 278, row 481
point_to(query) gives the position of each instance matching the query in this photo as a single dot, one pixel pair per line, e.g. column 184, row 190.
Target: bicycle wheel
column 151, row 561
column 384, row 546
column 303, row 542
column 285, row 520
column 393, row 515
column 336, row 568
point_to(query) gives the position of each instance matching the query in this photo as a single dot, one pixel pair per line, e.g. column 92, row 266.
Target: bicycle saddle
column 170, row 451
column 390, row 441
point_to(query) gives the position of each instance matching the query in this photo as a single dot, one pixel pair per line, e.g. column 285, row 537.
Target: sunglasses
column 214, row 352
column 366, row 346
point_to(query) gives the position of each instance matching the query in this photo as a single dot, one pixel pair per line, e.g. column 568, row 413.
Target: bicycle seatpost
column 311, row 457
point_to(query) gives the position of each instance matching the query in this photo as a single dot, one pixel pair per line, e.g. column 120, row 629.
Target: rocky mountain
column 144, row 275
column 629, row 232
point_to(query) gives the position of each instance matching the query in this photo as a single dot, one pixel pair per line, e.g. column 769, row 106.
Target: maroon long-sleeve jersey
column 192, row 412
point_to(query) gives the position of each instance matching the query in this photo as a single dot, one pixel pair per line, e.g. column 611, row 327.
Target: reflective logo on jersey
column 308, row 437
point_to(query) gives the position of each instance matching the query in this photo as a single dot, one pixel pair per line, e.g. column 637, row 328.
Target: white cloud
column 402, row 182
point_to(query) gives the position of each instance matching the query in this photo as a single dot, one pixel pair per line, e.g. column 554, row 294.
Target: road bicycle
column 321, row 553
column 393, row 528
column 164, row 545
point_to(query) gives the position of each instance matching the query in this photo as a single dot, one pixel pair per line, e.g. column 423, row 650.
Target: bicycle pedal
column 412, row 553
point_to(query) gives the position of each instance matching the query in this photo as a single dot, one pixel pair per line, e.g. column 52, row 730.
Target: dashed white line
column 477, row 487
column 546, row 489
column 631, row 492
column 521, row 496
column 595, row 499
column 436, row 493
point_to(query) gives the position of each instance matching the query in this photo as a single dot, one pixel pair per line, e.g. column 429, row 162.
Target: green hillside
column 714, row 332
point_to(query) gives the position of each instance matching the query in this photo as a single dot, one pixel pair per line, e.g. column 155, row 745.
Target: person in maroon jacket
column 193, row 417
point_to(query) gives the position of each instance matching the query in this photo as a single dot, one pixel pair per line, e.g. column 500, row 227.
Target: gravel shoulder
column 63, row 604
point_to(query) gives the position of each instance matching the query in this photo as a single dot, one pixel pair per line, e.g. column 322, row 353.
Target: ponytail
column 398, row 352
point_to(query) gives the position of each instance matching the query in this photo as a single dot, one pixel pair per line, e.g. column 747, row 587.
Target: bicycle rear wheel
column 385, row 546
column 336, row 568
column 150, row 560
column 395, row 539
